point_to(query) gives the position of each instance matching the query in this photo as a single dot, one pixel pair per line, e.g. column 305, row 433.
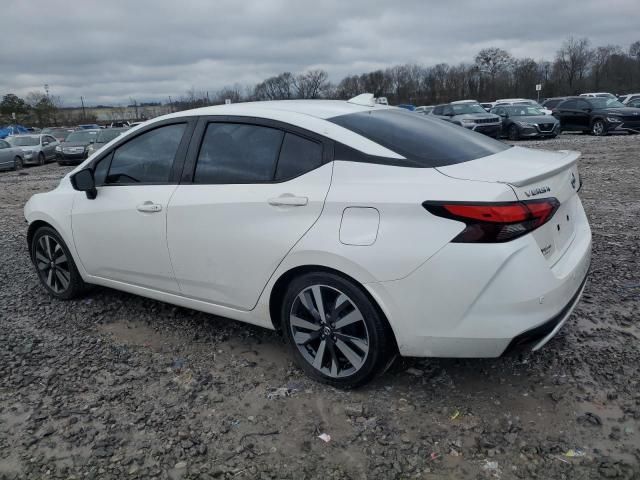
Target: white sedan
column 361, row 231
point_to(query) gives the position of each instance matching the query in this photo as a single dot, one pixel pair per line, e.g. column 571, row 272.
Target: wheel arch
column 279, row 289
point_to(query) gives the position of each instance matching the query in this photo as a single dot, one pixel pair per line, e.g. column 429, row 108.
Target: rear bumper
column 472, row 300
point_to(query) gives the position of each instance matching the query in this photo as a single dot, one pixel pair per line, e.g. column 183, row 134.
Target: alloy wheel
column 17, row 163
column 52, row 263
column 513, row 133
column 329, row 331
column 598, row 127
column 41, row 159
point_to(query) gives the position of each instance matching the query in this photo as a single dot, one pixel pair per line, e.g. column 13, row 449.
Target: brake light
column 495, row 222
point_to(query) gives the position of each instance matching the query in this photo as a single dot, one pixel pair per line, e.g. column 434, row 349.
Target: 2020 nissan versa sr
column 359, row 230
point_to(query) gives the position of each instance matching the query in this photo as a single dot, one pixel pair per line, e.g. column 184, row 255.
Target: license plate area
column 556, row 235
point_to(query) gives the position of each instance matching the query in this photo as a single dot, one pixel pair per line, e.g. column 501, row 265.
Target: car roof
column 322, row 109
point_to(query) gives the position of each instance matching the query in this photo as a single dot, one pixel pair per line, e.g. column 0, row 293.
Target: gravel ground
column 117, row 386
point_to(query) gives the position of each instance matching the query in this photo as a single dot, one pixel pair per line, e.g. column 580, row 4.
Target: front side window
column 238, row 153
column 3, row 144
column 424, row 141
column 147, row 158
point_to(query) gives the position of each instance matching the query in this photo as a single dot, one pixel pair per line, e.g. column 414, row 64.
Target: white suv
column 359, row 230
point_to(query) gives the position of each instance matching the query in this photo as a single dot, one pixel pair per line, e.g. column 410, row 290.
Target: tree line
column 494, row 73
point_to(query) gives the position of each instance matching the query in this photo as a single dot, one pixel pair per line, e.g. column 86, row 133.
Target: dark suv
column 598, row 116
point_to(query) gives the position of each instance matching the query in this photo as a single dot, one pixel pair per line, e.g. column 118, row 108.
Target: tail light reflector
column 495, row 222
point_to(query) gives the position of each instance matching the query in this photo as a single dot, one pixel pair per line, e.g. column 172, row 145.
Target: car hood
column 476, row 116
column 74, row 144
column 534, row 119
column 619, row 111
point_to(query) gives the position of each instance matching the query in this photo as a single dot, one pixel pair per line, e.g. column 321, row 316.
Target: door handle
column 149, row 207
column 288, row 200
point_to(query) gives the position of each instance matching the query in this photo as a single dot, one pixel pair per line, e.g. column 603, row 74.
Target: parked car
column 471, row 116
column 635, row 103
column 36, row 149
column 487, row 106
column 89, row 126
column 58, row 133
column 526, row 121
column 75, row 147
column 447, row 246
column 522, row 101
column 103, row 137
column 407, row 106
column 599, row 95
column 10, row 156
column 597, row 115
column 425, row 109
column 628, row 98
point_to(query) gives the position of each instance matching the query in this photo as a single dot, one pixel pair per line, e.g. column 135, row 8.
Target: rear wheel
column 598, row 128
column 17, row 163
column 514, row 133
column 336, row 333
column 54, row 264
column 41, row 158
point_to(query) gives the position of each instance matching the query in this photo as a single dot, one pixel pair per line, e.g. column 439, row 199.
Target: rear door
column 7, row 155
column 567, row 114
column 251, row 189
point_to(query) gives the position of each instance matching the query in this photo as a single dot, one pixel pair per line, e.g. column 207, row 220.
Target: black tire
column 514, row 132
column 598, row 128
column 369, row 337
column 67, row 282
column 17, row 163
column 41, row 159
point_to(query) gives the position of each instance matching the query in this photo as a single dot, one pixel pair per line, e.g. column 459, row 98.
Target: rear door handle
column 288, row 200
column 149, row 207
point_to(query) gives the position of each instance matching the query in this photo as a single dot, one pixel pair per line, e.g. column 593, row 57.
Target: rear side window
column 297, row 156
column 424, row 141
column 571, row 104
column 237, row 153
column 147, row 158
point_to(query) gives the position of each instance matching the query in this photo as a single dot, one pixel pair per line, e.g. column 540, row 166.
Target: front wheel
column 55, row 266
column 17, row 163
column 598, row 128
column 41, row 158
column 336, row 333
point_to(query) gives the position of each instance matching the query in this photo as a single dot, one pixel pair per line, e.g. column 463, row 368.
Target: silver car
column 10, row 157
column 36, row 148
column 471, row 115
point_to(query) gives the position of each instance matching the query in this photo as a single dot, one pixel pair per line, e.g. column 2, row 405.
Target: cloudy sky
column 110, row 50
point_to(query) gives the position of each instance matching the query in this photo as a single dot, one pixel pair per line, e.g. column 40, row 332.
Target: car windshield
column 24, row 141
column 108, row 134
column 602, row 102
column 523, row 111
column 424, row 141
column 464, row 108
column 81, row 136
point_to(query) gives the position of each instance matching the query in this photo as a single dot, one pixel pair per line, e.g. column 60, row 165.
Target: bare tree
column 491, row 62
column 572, row 62
column 311, row 84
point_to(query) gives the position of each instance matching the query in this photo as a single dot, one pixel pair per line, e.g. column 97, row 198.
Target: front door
column 121, row 234
column 256, row 191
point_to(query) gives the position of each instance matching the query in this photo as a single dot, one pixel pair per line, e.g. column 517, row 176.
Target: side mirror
column 45, row 143
column 83, row 181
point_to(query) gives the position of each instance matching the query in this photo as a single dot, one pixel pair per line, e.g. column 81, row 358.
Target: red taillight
column 495, row 222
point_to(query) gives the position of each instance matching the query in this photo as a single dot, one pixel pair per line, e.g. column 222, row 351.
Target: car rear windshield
column 423, row 140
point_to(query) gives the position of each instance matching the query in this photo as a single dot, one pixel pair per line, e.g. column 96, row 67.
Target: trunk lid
column 532, row 175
